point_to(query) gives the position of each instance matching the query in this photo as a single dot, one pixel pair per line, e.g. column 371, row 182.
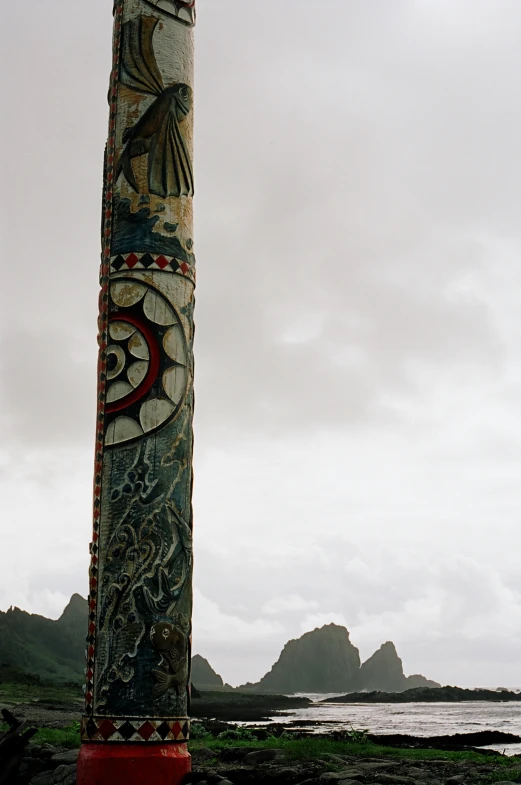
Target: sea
column 418, row 719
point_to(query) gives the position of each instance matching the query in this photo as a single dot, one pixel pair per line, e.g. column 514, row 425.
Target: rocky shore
column 224, row 707
column 280, row 753
column 243, row 707
column 427, row 695
column 243, row 765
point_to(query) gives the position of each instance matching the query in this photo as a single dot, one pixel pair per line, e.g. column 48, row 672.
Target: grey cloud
column 48, row 388
column 344, row 174
column 358, row 339
column 451, row 618
column 363, row 209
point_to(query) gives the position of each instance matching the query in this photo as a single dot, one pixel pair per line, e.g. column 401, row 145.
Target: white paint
column 174, row 383
column 120, row 364
column 138, row 347
column 120, row 330
column 158, row 310
column 121, row 430
column 137, row 372
column 174, row 345
column 155, row 412
column 126, row 293
column 117, row 391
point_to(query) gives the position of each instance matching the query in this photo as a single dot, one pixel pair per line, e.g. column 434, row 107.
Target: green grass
column 316, row 747
column 507, row 774
column 58, row 737
column 313, row 747
column 299, row 749
column 31, row 693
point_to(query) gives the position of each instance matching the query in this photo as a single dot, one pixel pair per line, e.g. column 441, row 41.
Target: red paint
column 132, row 764
column 132, row 260
column 162, row 262
column 153, row 367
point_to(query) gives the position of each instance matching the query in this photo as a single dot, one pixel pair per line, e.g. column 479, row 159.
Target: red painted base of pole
column 132, row 764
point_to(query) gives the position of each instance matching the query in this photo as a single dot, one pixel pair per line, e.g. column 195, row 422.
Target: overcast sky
column 358, row 350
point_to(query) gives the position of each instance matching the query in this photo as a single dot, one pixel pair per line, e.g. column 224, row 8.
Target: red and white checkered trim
column 152, row 261
column 135, row 730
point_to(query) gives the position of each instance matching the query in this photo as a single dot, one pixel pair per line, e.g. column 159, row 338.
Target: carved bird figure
column 158, row 131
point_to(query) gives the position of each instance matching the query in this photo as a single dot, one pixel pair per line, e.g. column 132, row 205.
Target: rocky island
column 325, row 660
column 321, row 661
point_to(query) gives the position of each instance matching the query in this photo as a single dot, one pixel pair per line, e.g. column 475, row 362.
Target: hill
column 384, row 671
column 51, row 649
column 204, row 677
column 325, row 660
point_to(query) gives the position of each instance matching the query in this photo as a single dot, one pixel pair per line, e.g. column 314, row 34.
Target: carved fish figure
column 172, row 645
column 157, row 132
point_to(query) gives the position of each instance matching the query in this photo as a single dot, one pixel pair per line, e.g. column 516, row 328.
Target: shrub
column 237, row 734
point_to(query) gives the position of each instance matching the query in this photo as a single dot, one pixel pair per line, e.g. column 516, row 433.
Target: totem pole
column 136, row 723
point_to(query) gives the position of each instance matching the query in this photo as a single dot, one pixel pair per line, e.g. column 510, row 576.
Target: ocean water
column 418, row 719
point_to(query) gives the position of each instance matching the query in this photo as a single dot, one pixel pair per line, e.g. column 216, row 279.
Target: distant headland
column 321, row 661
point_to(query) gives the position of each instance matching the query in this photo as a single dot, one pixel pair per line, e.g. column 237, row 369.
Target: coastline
column 446, row 694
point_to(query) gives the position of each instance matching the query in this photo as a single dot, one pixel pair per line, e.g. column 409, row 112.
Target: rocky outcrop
column 382, row 671
column 323, row 660
column 203, row 675
column 417, row 681
column 426, row 695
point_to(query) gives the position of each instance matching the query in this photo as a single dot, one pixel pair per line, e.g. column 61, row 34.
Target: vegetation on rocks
column 240, row 758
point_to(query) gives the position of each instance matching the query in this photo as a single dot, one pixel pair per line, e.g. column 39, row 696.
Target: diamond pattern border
column 135, row 730
column 151, row 261
column 106, row 239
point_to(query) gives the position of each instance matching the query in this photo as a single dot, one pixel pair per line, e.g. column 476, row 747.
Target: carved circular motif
column 147, row 362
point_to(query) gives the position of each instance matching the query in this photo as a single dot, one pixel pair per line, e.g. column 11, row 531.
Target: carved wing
column 169, row 165
column 138, row 61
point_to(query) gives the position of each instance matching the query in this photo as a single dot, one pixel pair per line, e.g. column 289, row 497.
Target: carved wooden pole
column 138, row 645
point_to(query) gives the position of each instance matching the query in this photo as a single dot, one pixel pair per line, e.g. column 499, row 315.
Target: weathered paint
column 140, row 602
column 112, row 764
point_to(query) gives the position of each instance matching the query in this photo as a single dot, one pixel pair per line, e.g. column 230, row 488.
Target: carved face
column 165, row 637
